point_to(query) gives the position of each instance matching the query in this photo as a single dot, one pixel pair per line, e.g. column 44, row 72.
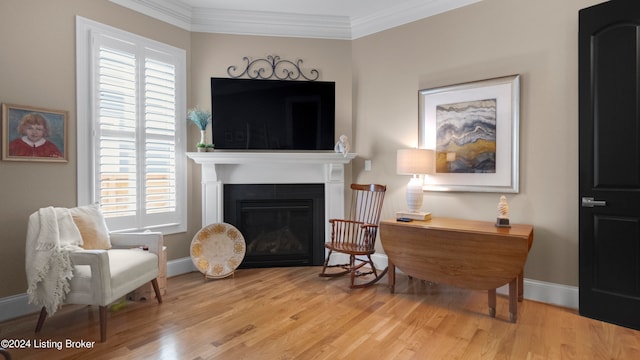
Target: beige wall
column 492, row 38
column 377, row 82
column 37, row 68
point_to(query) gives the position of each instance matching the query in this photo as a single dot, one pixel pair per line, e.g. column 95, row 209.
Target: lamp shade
column 415, row 162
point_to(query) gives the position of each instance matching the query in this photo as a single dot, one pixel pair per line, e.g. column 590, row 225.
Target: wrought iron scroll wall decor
column 273, row 67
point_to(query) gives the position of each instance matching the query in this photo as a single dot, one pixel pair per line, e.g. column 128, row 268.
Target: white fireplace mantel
column 249, row 157
column 262, row 167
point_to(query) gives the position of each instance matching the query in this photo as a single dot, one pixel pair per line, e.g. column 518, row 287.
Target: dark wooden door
column 609, row 70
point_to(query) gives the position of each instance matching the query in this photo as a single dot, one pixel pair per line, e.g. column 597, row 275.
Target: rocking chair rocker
column 356, row 236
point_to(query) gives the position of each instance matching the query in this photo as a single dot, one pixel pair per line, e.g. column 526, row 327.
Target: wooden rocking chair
column 356, row 235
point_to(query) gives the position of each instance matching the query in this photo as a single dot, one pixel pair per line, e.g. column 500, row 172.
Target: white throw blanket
column 51, row 235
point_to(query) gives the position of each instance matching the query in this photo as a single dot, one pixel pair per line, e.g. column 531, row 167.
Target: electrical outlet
column 367, row 165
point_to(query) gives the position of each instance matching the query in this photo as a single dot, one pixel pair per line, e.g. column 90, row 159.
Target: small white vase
column 203, row 135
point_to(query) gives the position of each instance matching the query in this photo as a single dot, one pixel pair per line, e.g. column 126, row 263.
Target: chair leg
column 377, row 275
column 326, row 263
column 41, row 319
column 156, row 289
column 352, row 263
column 103, row 323
column 373, row 266
column 5, row 353
column 346, row 268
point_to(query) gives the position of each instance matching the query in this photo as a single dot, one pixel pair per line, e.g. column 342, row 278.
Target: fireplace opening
column 282, row 224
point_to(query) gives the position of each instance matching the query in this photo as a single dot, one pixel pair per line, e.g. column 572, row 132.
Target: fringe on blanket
column 53, row 295
column 51, row 236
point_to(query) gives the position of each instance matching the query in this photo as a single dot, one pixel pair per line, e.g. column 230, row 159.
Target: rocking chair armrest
column 358, row 231
column 339, row 220
column 362, row 223
column 363, row 226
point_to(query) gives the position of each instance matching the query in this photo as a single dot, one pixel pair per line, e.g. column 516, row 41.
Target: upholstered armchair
column 86, row 264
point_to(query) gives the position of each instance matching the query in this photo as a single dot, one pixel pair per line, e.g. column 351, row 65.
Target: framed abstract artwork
column 33, row 134
column 474, row 130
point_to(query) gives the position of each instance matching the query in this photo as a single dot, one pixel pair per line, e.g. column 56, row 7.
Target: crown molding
column 173, row 12
column 223, row 21
column 402, row 13
column 270, row 23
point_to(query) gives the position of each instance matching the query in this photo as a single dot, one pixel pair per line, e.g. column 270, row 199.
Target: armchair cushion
column 93, row 229
column 125, row 270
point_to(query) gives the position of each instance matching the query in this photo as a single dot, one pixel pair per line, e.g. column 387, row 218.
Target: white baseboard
column 18, row 305
column 15, row 306
column 550, row 293
column 180, row 266
column 546, row 292
column 542, row 291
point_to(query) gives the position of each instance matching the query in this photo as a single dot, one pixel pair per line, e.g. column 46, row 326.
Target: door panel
column 609, row 44
column 616, row 258
column 615, row 93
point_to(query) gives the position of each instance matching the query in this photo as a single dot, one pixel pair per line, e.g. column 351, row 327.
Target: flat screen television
column 255, row 114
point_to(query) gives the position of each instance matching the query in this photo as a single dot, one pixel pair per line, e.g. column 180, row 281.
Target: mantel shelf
column 249, row 157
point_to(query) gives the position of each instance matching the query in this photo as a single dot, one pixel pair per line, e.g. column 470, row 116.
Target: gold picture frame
column 34, row 134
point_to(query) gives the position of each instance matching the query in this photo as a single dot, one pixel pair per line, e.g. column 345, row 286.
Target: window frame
column 86, row 97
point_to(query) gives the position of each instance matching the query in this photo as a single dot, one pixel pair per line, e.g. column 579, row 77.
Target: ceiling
column 330, row 19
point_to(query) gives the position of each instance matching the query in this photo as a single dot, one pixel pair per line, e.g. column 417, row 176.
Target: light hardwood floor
column 291, row 313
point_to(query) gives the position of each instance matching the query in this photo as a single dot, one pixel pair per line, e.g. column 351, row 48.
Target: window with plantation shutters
column 135, row 129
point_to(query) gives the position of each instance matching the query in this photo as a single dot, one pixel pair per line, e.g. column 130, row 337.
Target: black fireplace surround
column 282, row 224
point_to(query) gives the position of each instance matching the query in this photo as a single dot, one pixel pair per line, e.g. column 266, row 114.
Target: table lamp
column 415, row 162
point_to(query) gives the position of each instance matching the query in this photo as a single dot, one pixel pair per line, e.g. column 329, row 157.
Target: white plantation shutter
column 160, row 142
column 137, row 132
column 116, row 154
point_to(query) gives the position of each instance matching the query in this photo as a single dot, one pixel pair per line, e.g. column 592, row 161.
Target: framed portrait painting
column 33, row 134
column 474, row 130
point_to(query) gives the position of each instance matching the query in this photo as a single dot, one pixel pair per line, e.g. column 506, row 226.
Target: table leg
column 392, row 277
column 521, row 286
column 492, row 303
column 513, row 299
